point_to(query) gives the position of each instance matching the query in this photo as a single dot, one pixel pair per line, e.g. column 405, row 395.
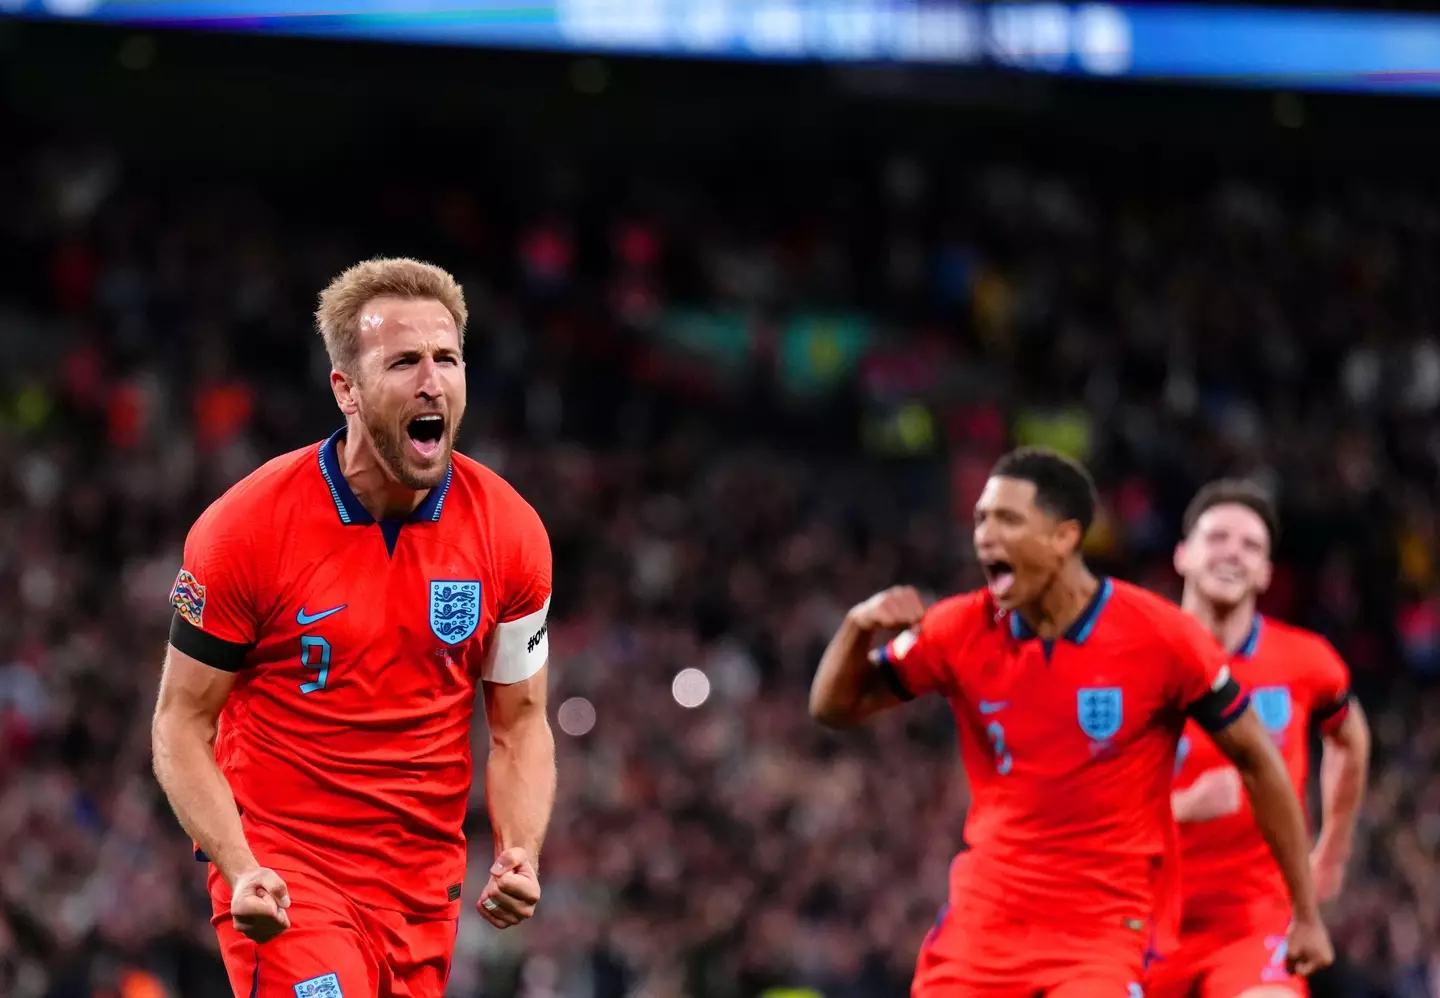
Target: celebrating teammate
column 1235, row 916
column 335, row 613
column 1070, row 694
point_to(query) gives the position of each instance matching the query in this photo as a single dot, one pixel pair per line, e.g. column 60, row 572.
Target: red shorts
column 334, row 947
column 986, row 954
column 1210, row 966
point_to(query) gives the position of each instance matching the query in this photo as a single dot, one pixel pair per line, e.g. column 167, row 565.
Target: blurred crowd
column 740, row 404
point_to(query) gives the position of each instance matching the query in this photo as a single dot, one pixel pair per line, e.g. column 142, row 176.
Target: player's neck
column 382, row 496
column 1229, row 625
column 1062, row 603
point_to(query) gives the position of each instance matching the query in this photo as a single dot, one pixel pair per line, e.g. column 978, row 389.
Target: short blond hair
column 338, row 316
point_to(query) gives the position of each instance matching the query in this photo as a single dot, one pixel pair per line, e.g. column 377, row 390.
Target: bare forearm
column 201, row 797
column 846, row 689
column 520, row 784
column 1184, row 806
column 1214, row 794
column 1246, row 743
column 1343, row 769
column 1281, row 822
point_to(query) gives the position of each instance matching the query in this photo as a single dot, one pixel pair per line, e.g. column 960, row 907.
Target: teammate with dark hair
column 1070, row 693
column 1235, row 915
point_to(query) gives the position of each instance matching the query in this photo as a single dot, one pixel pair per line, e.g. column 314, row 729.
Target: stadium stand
column 737, row 407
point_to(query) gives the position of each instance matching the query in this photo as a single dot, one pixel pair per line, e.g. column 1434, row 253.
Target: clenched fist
column 259, row 903
column 1307, row 947
column 513, row 890
column 896, row 608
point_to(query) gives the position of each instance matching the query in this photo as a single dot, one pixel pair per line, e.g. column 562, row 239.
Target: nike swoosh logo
column 993, row 706
column 305, row 619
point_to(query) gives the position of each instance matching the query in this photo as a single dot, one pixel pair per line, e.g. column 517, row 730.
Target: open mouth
column 1227, row 574
column 426, row 433
column 1000, row 577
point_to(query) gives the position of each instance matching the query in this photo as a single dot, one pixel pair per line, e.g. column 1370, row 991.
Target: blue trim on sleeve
column 886, row 668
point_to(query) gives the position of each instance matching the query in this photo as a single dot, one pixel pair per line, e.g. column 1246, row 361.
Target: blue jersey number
column 315, row 654
column 1135, row 991
column 1003, row 762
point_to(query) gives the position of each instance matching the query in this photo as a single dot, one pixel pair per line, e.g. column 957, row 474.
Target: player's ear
column 1266, row 576
column 1179, row 560
column 1068, row 537
column 344, row 388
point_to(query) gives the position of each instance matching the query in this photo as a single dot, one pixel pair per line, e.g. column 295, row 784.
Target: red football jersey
column 359, row 648
column 1069, row 748
column 1293, row 677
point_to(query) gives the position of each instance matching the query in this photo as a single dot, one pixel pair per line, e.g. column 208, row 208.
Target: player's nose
column 985, row 546
column 985, row 535
column 430, row 385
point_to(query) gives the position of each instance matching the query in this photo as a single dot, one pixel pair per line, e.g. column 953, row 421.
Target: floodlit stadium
column 756, row 296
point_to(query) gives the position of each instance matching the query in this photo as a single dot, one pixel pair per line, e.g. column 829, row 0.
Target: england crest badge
column 1100, row 710
column 1272, row 704
column 324, row 986
column 454, row 609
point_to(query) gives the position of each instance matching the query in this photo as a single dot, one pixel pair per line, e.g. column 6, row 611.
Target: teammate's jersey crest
column 324, row 986
column 1100, row 710
column 454, row 609
column 1272, row 704
column 188, row 598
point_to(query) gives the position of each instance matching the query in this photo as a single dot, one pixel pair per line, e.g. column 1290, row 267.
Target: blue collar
column 352, row 513
column 1079, row 631
column 1252, row 640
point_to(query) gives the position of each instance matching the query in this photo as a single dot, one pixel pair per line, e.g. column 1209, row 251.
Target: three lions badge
column 1100, row 710
column 1274, row 707
column 324, row 986
column 454, row 609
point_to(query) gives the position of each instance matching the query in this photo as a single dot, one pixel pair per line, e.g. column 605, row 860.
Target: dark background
column 748, row 338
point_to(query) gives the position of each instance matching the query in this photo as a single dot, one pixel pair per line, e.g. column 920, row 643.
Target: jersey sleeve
column 1205, row 689
column 520, row 646
column 914, row 662
column 1331, row 687
column 215, row 620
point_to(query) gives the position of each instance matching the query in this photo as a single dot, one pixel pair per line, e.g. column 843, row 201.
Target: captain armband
column 519, row 648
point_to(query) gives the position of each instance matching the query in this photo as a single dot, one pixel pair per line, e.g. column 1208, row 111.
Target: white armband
column 518, row 648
